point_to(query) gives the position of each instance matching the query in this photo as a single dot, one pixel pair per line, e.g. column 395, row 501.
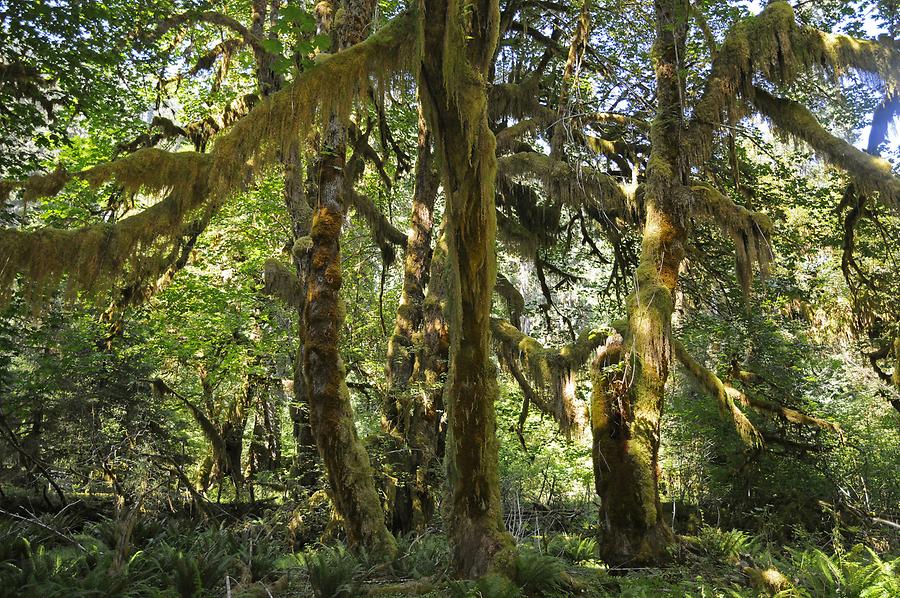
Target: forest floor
column 82, row 551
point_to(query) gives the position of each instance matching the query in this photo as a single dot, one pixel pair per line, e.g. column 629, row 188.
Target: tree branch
column 212, row 18
column 871, row 174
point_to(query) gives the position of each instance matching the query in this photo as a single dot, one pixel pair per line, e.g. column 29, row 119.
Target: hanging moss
column 92, row 255
column 515, row 302
column 582, row 187
column 383, row 232
column 870, row 174
column 520, row 101
column 750, row 232
column 536, row 223
column 774, row 45
column 516, row 238
column 332, row 87
column 712, row 385
column 552, row 373
column 281, row 281
column 192, row 181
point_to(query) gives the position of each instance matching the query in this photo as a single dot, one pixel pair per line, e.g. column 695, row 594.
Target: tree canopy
column 466, row 273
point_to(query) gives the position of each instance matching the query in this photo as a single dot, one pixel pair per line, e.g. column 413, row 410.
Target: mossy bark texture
column 633, row 530
column 410, row 416
column 298, row 208
column 459, row 43
column 331, row 414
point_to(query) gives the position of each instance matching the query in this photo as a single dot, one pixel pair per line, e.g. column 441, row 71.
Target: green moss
column 750, row 232
column 581, row 188
column 712, row 385
column 774, row 45
column 192, row 182
column 870, row 173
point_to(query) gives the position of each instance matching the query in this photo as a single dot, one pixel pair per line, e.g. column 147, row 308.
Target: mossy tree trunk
column 459, row 42
column 298, row 208
column 633, row 530
column 331, row 414
column 407, row 414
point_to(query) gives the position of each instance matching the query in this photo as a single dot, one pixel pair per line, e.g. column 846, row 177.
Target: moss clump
column 774, row 45
column 750, row 232
column 43, row 185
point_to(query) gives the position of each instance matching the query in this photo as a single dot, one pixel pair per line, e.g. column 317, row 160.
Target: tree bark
column 633, row 529
column 331, row 414
column 298, row 208
column 404, row 410
column 455, row 66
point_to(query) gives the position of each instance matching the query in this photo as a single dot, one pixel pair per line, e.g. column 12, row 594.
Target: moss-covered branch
column 728, row 398
column 869, row 173
column 775, row 46
column 750, row 231
column 211, row 18
column 194, row 181
column 577, row 187
column 92, row 254
column 200, row 132
column 712, row 385
column 551, row 371
column 784, row 413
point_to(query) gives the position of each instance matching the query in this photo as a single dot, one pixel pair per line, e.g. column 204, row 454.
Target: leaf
column 273, row 46
column 282, row 66
column 322, row 42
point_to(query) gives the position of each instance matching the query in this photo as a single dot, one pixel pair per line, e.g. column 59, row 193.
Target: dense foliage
column 454, row 299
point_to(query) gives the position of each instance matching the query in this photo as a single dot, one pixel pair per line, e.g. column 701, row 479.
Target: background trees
column 589, row 191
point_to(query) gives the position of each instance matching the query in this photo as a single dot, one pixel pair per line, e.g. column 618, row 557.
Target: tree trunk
column 331, row 414
column 454, row 71
column 634, row 530
column 298, row 208
column 404, row 410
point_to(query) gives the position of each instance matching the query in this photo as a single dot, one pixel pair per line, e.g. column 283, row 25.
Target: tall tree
column 459, row 43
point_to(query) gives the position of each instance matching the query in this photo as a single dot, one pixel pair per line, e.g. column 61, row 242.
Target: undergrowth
column 56, row 555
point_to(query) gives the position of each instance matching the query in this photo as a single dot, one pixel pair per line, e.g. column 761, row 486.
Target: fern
column 724, row 545
column 333, row 572
column 572, row 548
column 538, row 574
column 422, row 556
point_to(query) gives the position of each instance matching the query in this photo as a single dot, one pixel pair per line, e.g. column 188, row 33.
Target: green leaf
column 273, row 46
column 322, row 42
column 282, row 66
